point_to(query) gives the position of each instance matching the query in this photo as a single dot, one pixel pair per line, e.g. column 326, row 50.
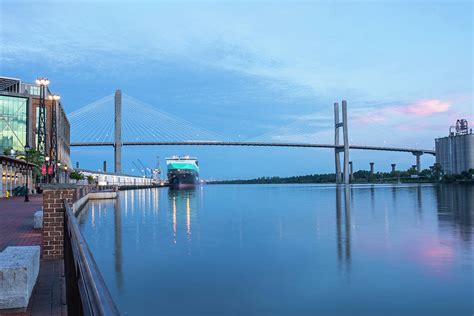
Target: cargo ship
column 183, row 172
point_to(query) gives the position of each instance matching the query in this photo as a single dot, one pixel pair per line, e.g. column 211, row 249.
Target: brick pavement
column 16, row 229
column 16, row 221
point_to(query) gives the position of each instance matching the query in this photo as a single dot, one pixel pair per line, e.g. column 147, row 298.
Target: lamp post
column 27, row 149
column 58, row 171
column 53, row 149
column 47, row 168
column 41, row 141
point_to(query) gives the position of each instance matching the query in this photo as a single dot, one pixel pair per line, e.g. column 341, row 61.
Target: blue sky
column 246, row 69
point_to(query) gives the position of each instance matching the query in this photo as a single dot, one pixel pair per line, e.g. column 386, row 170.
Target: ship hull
column 183, row 179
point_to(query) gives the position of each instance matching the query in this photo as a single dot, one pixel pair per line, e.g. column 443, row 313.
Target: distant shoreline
column 363, row 177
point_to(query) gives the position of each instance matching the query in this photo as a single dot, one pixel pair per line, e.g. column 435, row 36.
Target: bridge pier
column 393, row 167
column 372, row 168
column 418, row 154
column 345, row 148
column 118, row 132
column 346, row 142
column 351, row 178
column 337, row 159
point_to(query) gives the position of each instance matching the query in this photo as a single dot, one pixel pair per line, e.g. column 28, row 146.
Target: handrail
column 87, row 293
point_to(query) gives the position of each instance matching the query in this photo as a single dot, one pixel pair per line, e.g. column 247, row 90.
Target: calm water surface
column 286, row 250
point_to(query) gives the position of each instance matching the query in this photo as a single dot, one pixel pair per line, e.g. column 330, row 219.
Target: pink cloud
column 424, row 107
column 418, row 108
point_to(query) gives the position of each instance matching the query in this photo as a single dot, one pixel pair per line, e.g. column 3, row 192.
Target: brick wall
column 53, row 216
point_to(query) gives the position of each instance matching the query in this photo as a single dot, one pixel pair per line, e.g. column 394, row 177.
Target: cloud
column 298, row 44
column 425, row 107
column 390, row 112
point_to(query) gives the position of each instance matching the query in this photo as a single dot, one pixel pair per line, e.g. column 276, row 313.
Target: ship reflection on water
column 281, row 248
column 180, row 203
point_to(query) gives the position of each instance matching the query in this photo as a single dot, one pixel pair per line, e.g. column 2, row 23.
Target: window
column 35, row 90
column 12, row 123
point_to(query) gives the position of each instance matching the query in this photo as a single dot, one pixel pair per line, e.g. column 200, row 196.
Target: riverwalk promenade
column 16, row 229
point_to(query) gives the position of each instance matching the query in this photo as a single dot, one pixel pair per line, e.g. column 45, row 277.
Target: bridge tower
column 345, row 148
column 118, row 132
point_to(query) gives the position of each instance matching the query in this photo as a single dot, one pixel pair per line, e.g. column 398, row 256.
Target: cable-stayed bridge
column 136, row 123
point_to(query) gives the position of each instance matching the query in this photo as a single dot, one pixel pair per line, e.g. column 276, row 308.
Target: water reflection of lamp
column 174, row 219
column 181, row 202
column 188, row 218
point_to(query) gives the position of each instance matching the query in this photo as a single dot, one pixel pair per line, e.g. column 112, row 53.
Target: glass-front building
column 13, row 120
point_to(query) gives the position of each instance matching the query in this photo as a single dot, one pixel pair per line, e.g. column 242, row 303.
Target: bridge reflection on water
column 157, row 232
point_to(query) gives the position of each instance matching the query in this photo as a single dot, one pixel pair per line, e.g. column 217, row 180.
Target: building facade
column 455, row 153
column 103, row 178
column 14, row 173
column 19, row 119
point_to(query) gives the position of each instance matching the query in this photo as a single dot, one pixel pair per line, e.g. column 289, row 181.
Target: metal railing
column 86, row 292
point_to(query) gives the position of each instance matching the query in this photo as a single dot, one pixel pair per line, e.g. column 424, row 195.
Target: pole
column 346, row 141
column 41, row 143
column 27, row 198
column 53, row 150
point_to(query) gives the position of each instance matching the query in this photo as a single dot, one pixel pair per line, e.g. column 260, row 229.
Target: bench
column 19, row 268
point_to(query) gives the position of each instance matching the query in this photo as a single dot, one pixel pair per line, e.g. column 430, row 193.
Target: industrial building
column 455, row 153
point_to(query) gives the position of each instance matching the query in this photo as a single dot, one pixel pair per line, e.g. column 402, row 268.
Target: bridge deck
column 259, row 144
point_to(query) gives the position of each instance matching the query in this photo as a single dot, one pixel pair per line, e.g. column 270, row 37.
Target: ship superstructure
column 183, row 172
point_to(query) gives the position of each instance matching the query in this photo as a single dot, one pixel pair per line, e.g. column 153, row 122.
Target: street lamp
column 27, row 149
column 42, row 81
column 41, row 142
column 47, row 168
column 53, row 148
column 58, row 178
column 65, row 174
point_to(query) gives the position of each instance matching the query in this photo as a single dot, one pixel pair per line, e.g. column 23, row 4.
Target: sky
column 266, row 70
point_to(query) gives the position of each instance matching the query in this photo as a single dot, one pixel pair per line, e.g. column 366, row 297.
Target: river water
column 286, row 250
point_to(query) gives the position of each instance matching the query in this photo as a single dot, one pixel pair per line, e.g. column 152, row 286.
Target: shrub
column 90, row 179
column 76, row 175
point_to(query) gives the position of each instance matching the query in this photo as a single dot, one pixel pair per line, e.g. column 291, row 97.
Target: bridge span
column 340, row 145
column 414, row 151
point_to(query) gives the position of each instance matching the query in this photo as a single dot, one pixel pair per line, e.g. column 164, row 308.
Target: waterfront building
column 455, row 153
column 19, row 122
column 14, row 173
column 19, row 118
column 104, row 178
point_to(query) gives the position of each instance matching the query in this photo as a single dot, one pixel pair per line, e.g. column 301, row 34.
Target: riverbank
column 362, row 176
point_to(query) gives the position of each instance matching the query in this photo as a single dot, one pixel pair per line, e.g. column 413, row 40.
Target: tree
column 76, row 175
column 90, row 179
column 7, row 151
column 34, row 157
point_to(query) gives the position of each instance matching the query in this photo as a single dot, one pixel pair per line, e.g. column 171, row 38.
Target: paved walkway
column 16, row 221
column 16, row 229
